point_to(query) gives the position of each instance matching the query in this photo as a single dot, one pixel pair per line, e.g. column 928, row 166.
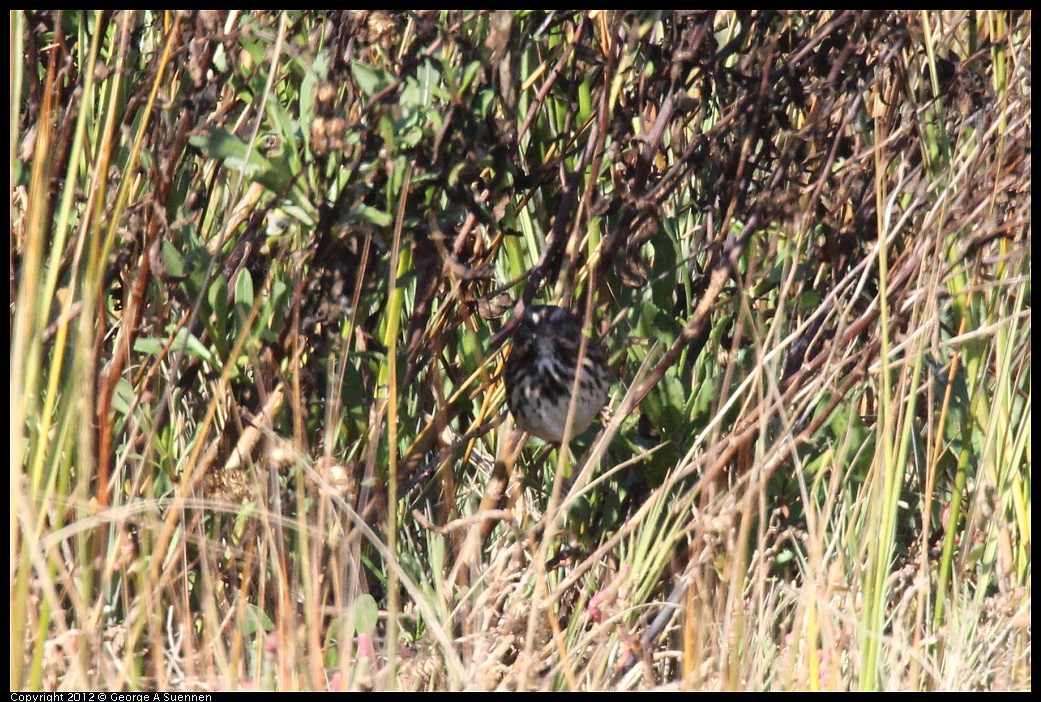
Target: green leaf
column 255, row 621
column 149, row 345
column 124, row 396
column 370, row 79
column 244, row 289
column 468, row 76
column 223, row 145
column 235, row 154
column 371, row 214
column 217, row 296
column 366, row 614
column 585, row 101
column 188, row 342
column 289, row 133
column 193, row 346
column 255, row 47
column 317, row 74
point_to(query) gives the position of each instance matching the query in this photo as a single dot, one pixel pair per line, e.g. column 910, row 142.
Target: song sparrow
column 540, row 373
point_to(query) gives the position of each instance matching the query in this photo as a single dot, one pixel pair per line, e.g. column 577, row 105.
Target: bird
column 539, row 373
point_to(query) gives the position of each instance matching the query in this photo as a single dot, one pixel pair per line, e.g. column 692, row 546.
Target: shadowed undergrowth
column 263, row 271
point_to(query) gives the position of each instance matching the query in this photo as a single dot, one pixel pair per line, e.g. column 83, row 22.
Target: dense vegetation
column 263, row 267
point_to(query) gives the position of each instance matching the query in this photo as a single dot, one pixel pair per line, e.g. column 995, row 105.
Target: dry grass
column 262, row 273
